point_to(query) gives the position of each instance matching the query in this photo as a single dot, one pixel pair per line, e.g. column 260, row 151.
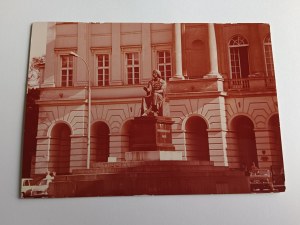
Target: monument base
column 153, row 155
column 151, row 140
column 152, row 134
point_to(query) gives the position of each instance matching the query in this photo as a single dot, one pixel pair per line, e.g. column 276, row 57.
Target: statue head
column 156, row 73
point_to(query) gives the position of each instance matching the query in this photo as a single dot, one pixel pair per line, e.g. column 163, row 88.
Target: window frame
column 238, row 44
column 96, row 68
column 68, row 69
column 131, row 50
column 58, row 53
column 268, row 43
column 155, row 61
column 94, row 76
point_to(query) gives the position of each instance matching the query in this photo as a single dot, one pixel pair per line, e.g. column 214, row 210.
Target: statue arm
column 163, row 87
column 148, row 88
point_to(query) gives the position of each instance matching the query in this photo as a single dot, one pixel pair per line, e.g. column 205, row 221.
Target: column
column 178, row 54
column 213, row 53
column 116, row 78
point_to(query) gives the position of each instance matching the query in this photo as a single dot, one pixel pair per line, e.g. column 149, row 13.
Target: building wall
column 116, row 105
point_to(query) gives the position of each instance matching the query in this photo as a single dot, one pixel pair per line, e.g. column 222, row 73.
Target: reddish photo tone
column 118, row 109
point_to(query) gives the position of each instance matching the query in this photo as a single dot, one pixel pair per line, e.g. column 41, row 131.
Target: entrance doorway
column 99, row 142
column 197, row 147
column 245, row 135
column 60, row 149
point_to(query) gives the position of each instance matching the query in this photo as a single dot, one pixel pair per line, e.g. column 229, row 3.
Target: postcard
column 122, row 109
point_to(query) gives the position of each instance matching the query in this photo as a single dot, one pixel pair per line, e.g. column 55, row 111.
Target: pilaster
column 48, row 78
column 116, row 78
column 146, row 52
column 82, row 44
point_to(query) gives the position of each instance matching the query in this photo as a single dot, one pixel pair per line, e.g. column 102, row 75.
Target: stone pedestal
column 151, row 139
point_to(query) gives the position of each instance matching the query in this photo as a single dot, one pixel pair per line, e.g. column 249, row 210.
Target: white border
column 15, row 19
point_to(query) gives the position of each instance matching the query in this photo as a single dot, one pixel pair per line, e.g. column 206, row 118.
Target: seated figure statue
column 153, row 102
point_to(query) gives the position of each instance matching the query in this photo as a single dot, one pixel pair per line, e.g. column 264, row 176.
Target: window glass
column 103, row 69
column 133, row 68
column 66, row 70
column 238, row 54
column 164, row 64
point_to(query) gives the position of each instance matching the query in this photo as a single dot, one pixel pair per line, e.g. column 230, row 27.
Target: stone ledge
column 153, row 155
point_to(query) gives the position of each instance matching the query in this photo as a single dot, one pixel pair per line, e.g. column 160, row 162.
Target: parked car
column 261, row 180
column 29, row 189
column 26, row 187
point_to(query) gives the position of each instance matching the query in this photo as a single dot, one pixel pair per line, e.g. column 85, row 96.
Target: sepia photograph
column 123, row 109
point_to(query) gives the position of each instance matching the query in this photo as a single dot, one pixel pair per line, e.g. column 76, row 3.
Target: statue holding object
column 152, row 104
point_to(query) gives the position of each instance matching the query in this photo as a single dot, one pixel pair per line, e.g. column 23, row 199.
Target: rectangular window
column 164, row 64
column 103, row 69
column 133, row 68
column 66, row 70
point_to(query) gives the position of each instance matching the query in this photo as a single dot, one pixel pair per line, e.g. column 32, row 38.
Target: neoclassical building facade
column 221, row 93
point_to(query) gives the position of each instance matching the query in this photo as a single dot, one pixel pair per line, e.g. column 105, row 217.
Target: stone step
column 149, row 163
column 147, row 184
column 154, row 166
column 148, row 169
column 150, row 175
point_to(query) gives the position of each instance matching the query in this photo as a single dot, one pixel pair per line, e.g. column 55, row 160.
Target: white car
column 30, row 190
column 26, row 187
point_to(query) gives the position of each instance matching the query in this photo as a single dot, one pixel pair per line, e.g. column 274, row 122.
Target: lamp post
column 89, row 111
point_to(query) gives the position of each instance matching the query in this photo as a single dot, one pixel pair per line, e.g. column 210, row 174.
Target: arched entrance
column 275, row 141
column 246, row 142
column 126, row 137
column 99, row 142
column 197, row 147
column 60, row 149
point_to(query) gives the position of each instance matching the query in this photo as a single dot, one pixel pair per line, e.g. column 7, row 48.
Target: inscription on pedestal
column 152, row 134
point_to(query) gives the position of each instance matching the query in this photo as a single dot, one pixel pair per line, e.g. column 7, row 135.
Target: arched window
column 238, row 53
column 268, row 56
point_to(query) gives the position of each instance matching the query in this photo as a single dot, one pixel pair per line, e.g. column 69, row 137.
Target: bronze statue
column 153, row 102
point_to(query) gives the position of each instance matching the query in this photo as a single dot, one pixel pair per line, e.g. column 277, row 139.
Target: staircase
column 150, row 177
